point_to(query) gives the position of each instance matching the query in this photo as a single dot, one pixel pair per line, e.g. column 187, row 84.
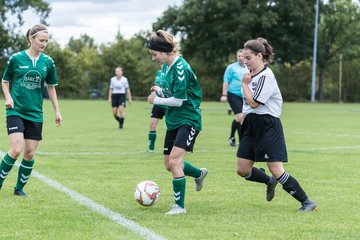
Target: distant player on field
column 262, row 138
column 157, row 113
column 119, row 87
column 232, row 93
column 182, row 94
column 23, row 81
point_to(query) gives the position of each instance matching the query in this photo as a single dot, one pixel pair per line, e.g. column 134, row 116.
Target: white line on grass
column 96, row 207
column 199, row 150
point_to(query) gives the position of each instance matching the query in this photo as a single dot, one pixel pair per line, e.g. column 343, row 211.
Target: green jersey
column 181, row 82
column 26, row 77
column 159, row 77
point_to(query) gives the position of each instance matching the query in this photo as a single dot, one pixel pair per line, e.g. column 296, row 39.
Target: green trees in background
column 211, row 31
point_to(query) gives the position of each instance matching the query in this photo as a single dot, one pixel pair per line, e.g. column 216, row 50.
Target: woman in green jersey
column 181, row 93
column 157, row 113
column 23, row 81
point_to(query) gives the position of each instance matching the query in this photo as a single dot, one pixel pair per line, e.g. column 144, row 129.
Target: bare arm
column 110, row 93
column 247, row 93
column 129, row 95
column 9, row 102
column 224, row 92
column 54, row 101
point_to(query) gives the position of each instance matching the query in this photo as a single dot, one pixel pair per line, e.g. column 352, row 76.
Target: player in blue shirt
column 232, row 92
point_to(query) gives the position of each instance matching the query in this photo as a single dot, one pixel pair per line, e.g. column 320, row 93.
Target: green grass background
column 90, row 155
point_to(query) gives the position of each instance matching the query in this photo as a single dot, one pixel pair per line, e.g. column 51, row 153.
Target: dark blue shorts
column 183, row 137
column 236, row 102
column 118, row 99
column 262, row 139
column 158, row 112
column 31, row 130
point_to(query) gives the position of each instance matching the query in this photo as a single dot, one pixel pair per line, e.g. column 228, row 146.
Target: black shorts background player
column 118, row 91
column 232, row 93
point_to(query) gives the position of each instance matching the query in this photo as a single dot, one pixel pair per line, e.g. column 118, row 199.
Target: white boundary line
column 199, row 150
column 87, row 202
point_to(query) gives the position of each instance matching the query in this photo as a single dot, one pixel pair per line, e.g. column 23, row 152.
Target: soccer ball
column 147, row 193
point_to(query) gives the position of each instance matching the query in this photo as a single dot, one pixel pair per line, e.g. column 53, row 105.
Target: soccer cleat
column 121, row 126
column 19, row 192
column 0, row 187
column 232, row 141
column 307, row 206
column 176, row 209
column 270, row 190
column 200, row 180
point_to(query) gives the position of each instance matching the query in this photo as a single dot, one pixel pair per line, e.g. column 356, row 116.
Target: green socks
column 179, row 185
column 191, row 171
column 152, row 138
column 5, row 167
column 24, row 173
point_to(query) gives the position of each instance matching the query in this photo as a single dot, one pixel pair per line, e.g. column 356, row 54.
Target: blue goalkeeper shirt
column 233, row 76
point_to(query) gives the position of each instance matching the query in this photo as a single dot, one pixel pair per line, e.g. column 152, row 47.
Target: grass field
column 88, row 154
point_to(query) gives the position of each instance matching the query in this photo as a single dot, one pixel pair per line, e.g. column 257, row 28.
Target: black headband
column 160, row 46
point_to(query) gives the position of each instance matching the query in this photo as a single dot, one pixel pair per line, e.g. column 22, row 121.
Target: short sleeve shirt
column 233, row 76
column 266, row 92
column 119, row 85
column 26, row 77
column 181, row 83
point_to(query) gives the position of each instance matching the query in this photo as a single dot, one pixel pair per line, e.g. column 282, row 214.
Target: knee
column 29, row 154
column 167, row 167
column 152, row 126
column 174, row 163
column 276, row 171
column 239, row 117
column 241, row 171
column 15, row 152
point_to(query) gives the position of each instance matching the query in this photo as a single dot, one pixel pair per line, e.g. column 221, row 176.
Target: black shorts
column 183, row 137
column 31, row 130
column 236, row 102
column 158, row 112
column 118, row 99
column 262, row 139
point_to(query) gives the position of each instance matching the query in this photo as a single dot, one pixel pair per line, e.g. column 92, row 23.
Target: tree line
column 210, row 32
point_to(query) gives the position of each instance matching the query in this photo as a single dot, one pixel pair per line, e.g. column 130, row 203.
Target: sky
column 100, row 20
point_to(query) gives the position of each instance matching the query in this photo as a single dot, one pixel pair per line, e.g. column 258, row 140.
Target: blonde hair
column 32, row 32
column 165, row 37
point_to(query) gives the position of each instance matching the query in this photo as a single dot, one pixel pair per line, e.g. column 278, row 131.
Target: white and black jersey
column 119, row 85
column 266, row 92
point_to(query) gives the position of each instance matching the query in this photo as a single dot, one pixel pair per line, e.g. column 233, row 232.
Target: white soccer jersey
column 266, row 92
column 119, row 85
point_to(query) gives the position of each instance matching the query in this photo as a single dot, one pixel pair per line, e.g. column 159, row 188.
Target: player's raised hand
column 246, row 78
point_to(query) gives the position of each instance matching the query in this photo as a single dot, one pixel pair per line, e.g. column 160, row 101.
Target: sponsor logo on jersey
column 23, row 67
column 31, row 80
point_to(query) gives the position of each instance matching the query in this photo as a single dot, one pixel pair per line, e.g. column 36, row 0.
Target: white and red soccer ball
column 147, row 193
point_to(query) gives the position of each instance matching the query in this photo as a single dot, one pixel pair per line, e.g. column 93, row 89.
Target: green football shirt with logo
column 159, row 78
column 26, row 77
column 181, row 82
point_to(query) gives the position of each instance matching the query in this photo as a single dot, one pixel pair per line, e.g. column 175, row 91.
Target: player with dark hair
column 182, row 94
column 262, row 138
column 26, row 72
column 119, row 87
